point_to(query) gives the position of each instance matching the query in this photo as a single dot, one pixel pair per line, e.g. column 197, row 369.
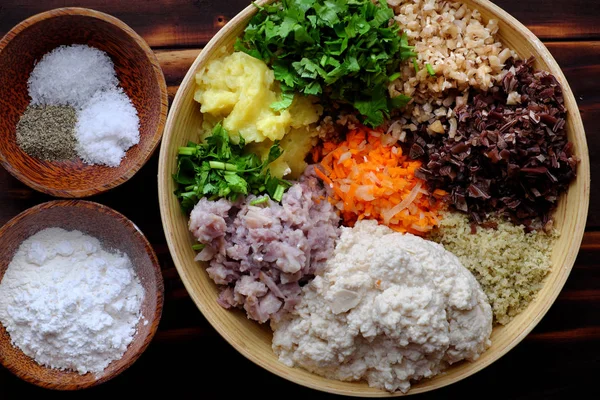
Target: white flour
column 69, row 304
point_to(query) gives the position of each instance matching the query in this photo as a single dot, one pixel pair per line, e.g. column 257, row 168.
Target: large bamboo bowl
column 253, row 340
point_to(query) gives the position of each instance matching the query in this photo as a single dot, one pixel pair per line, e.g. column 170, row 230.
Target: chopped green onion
column 259, row 200
column 222, row 165
column 397, row 75
column 220, row 168
column 430, row 69
column 198, row 246
column 187, row 151
column 415, row 65
column 278, row 195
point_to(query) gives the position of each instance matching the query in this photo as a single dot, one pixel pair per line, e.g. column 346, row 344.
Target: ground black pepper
column 48, row 132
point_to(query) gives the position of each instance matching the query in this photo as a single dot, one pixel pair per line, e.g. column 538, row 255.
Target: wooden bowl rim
column 158, row 75
column 166, row 197
column 153, row 321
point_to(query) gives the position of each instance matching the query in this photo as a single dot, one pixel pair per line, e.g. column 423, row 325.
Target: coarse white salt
column 108, row 125
column 71, row 75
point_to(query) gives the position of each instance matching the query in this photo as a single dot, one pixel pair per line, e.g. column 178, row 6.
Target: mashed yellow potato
column 239, row 90
column 296, row 145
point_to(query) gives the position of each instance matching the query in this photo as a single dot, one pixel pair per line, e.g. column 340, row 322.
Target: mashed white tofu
column 390, row 308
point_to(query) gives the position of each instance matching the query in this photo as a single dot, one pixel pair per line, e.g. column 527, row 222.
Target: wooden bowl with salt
column 254, row 340
column 115, row 233
column 139, row 75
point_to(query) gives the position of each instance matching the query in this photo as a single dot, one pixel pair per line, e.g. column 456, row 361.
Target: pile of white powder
column 68, row 303
column 102, row 138
column 84, row 78
column 390, row 309
column 70, row 76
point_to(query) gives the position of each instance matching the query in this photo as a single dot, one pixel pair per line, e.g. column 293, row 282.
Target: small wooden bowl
column 139, row 75
column 253, row 340
column 115, row 232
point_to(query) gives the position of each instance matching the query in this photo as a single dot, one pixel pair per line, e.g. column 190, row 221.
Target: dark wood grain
column 165, row 23
column 558, row 360
column 191, row 23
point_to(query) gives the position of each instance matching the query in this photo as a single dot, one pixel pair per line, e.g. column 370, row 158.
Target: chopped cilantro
column 346, row 50
column 219, row 168
column 285, row 102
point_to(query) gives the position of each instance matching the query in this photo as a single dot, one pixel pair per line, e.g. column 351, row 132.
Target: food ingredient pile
column 48, row 132
column 371, row 178
column 71, row 75
column 343, row 50
column 107, row 126
column 389, row 308
column 511, row 154
column 509, row 263
column 68, row 303
column 260, row 251
column 79, row 80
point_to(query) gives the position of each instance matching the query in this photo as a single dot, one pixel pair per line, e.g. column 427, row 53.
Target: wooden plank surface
column 559, row 359
column 191, row 23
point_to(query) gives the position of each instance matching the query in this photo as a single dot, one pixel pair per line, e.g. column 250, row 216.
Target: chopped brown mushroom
column 508, row 158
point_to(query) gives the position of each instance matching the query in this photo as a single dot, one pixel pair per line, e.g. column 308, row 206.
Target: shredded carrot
column 315, row 153
column 370, row 180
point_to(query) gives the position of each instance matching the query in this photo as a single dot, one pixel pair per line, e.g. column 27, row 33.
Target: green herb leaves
column 220, row 168
column 344, row 49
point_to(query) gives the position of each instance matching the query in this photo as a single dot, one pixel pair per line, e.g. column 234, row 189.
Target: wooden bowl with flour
column 254, row 340
column 139, row 75
column 115, row 233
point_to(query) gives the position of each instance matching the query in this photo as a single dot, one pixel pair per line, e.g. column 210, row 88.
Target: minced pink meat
column 263, row 254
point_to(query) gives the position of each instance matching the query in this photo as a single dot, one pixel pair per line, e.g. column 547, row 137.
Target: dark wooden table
column 559, row 359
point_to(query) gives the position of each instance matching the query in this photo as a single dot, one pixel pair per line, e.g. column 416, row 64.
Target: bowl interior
column 115, row 232
column 139, row 76
column 253, row 340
